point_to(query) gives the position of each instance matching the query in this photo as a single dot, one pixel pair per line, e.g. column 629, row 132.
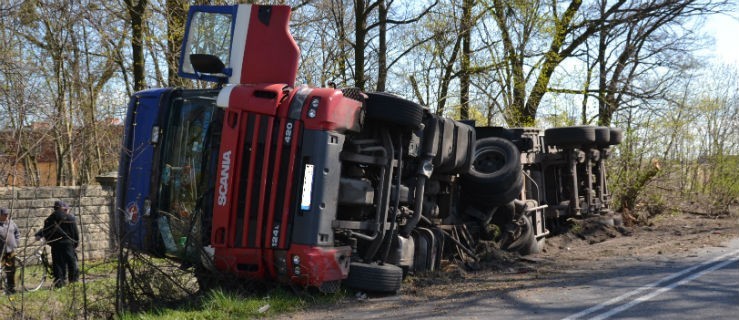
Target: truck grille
column 265, row 178
column 267, row 193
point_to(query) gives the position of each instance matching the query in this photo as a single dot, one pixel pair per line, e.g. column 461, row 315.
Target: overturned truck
column 316, row 187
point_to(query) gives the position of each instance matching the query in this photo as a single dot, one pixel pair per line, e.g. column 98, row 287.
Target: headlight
column 313, row 109
column 296, row 260
column 297, row 270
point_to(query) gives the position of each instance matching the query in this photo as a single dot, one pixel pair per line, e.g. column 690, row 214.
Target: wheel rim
column 33, row 274
column 489, row 160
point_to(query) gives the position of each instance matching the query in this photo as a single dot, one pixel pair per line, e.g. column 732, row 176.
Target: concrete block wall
column 92, row 205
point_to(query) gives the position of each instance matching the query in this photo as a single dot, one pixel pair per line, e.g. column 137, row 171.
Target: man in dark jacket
column 60, row 232
column 9, row 239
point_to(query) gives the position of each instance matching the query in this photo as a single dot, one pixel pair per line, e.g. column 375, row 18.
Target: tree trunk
column 382, row 47
column 360, row 35
column 176, row 16
column 136, row 16
column 602, row 64
column 464, row 77
column 447, row 78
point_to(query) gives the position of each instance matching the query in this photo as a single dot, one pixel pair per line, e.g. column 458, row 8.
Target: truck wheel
column 570, row 136
column 519, row 237
column 207, row 279
column 488, row 199
column 616, row 136
column 387, row 107
column 374, row 277
column 495, row 175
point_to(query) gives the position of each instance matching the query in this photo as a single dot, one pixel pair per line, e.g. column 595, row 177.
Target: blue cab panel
column 135, row 171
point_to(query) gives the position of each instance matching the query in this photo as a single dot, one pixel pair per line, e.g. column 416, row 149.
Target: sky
column 724, row 29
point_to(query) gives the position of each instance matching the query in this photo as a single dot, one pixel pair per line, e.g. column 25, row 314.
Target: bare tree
column 436, row 65
column 64, row 65
column 531, row 70
column 364, row 26
column 52, row 44
column 658, row 42
column 321, row 29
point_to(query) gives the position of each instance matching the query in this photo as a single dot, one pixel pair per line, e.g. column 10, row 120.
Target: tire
column 390, row 108
column 384, row 278
column 495, row 176
column 602, row 136
column 570, row 136
column 421, row 252
column 616, row 136
column 488, row 199
column 32, row 273
column 519, row 237
column 207, row 280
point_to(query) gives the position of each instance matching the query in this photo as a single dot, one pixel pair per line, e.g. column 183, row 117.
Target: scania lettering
column 223, row 186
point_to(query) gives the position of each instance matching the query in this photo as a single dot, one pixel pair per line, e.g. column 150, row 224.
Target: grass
column 63, row 303
column 220, row 304
column 96, row 299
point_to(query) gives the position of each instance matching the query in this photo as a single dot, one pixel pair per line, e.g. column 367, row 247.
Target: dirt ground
column 590, row 245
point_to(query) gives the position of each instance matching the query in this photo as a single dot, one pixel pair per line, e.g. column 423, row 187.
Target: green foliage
column 721, row 182
column 475, row 114
column 28, row 14
column 655, row 204
column 558, row 119
column 632, row 171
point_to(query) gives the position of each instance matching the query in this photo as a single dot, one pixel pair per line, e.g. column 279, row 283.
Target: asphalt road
column 705, row 286
column 701, row 285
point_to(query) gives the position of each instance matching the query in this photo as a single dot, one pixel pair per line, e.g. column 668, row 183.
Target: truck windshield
column 189, row 147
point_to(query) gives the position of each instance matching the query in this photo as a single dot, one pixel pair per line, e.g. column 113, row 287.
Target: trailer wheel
column 570, row 136
column 602, row 136
column 616, row 136
column 374, row 277
column 495, row 175
column 391, row 108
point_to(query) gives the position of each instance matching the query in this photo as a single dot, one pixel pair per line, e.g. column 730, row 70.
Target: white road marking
column 653, row 285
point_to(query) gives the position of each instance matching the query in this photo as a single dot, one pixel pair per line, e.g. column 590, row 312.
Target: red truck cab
column 273, row 209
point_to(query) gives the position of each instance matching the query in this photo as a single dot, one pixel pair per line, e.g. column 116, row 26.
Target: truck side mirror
column 207, row 63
